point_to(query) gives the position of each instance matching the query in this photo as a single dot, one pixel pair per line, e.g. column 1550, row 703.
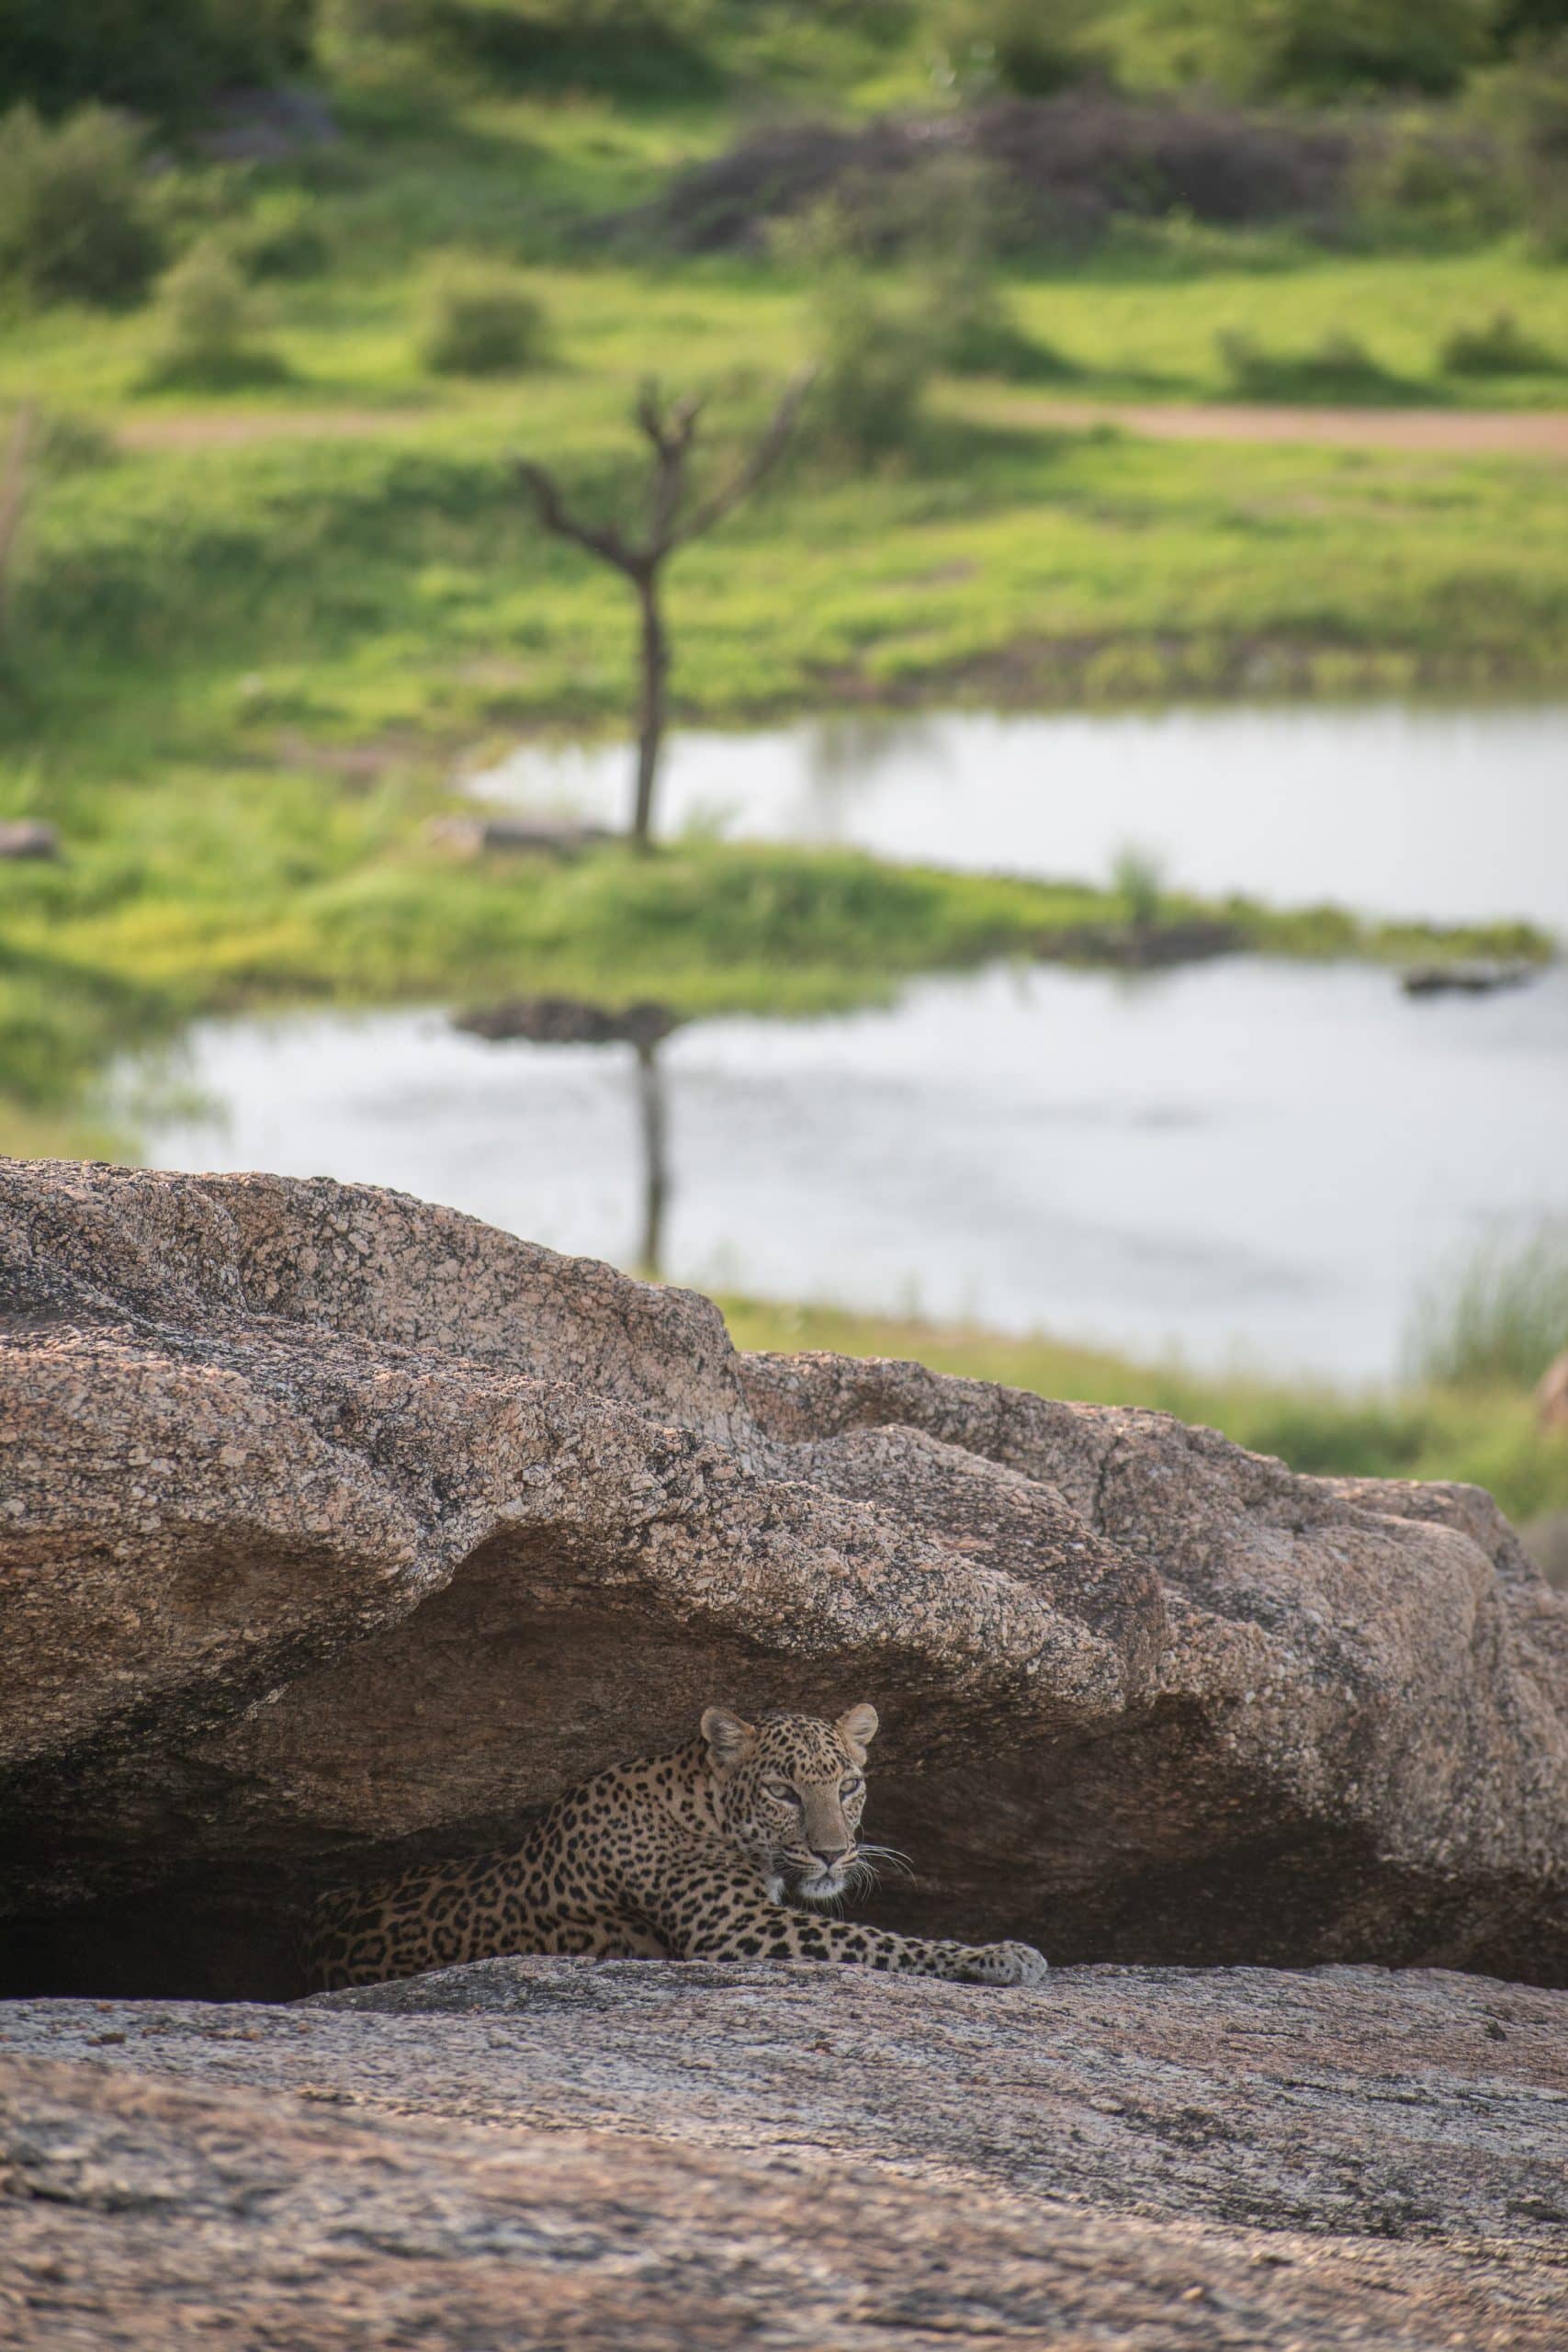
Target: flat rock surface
column 549, row 2152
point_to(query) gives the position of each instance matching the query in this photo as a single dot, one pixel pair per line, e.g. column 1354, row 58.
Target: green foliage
column 1032, row 46
column 1323, row 50
column 74, row 224
column 281, row 237
column 1137, row 880
column 160, row 57
column 1496, row 347
column 206, row 322
column 1531, row 99
column 1338, row 367
column 1500, row 1315
column 1424, row 177
column 976, row 333
column 480, row 320
column 876, row 352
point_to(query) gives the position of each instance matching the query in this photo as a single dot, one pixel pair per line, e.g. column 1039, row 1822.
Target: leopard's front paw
column 1009, row 1964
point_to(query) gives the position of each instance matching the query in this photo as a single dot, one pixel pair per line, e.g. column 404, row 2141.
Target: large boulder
column 335, row 1528
column 545, row 2153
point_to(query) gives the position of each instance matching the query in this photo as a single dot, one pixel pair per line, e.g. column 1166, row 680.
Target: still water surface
column 1457, row 814
column 1242, row 1159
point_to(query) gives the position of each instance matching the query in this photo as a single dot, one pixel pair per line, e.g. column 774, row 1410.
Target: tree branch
column 605, row 542
column 767, row 453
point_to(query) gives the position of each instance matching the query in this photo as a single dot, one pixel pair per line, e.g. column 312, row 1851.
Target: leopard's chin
column 823, row 1886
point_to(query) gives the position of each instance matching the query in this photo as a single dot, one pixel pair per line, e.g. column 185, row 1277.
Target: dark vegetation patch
column 1062, row 169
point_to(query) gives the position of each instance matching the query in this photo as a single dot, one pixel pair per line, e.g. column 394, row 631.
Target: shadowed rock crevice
column 337, row 1530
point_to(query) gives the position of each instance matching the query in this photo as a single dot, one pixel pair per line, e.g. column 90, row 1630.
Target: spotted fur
column 715, row 1852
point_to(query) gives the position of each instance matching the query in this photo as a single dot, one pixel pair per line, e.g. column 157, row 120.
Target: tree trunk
column 650, row 715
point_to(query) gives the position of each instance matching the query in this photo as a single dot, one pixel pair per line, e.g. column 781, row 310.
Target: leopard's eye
column 782, row 1794
column 852, row 1787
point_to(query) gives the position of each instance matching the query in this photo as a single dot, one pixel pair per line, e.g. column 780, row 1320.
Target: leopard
column 737, row 1844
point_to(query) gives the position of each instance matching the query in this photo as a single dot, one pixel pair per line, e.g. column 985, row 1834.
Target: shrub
column 1427, row 175
column 74, row 224
column 479, row 320
column 1531, row 99
column 207, row 320
column 1496, row 347
column 1498, row 1316
column 876, row 354
column 160, row 58
column 1033, row 47
column 281, row 238
column 975, row 333
column 1324, row 49
column 1338, row 367
column 1137, row 876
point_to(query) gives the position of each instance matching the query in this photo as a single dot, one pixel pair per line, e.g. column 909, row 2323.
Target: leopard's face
column 790, row 1791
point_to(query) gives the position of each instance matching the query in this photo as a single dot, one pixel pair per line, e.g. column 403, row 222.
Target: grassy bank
column 211, row 894
column 1485, row 1435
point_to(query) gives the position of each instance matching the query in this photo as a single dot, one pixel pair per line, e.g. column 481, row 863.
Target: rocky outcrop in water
column 545, row 2153
column 337, row 1528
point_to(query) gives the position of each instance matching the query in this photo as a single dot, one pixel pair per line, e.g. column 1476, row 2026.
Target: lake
column 1456, row 814
column 1243, row 1160
column 1240, row 1161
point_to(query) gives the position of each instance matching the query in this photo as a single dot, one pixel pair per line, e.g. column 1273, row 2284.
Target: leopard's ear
column 857, row 1730
column 729, row 1736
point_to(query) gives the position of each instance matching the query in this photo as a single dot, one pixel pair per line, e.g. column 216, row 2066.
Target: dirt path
column 1461, row 432
column 1473, row 432
column 234, row 428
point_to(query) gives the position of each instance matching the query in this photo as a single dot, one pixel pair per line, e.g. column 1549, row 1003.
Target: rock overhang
column 339, row 1527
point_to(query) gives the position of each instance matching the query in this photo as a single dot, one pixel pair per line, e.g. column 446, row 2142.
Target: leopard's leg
column 708, row 1913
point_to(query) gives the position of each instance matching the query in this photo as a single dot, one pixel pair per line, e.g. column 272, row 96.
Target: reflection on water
column 653, row 1137
column 1241, row 1156
column 1457, row 815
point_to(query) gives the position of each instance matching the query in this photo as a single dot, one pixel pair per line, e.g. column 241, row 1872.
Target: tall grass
column 1499, row 1316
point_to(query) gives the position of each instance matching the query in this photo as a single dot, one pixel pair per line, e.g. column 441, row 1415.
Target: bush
column 1499, row 1317
column 480, row 321
column 75, row 225
column 280, row 238
column 1325, row 49
column 1336, row 368
column 1531, row 98
column 1137, row 876
column 1425, row 174
column 1032, row 46
column 207, row 320
column 160, row 58
column 1496, row 347
column 975, row 332
column 876, row 356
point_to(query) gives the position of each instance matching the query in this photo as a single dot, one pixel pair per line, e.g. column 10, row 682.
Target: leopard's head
column 790, row 1790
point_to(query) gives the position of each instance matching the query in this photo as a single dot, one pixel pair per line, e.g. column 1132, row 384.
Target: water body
column 1455, row 814
column 1243, row 1160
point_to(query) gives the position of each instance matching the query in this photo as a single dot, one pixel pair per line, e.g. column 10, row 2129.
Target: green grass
column 239, row 677
column 208, row 892
column 1499, row 1314
column 1484, row 1434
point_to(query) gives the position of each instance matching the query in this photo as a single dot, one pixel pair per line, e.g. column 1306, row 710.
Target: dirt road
column 1459, row 432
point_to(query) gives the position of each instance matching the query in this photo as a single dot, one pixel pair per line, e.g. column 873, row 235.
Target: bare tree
column 674, row 518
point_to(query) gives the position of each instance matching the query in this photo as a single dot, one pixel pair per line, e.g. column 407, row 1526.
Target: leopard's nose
column 829, row 1855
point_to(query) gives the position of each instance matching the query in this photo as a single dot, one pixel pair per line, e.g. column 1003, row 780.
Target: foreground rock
column 338, row 1528
column 544, row 2152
